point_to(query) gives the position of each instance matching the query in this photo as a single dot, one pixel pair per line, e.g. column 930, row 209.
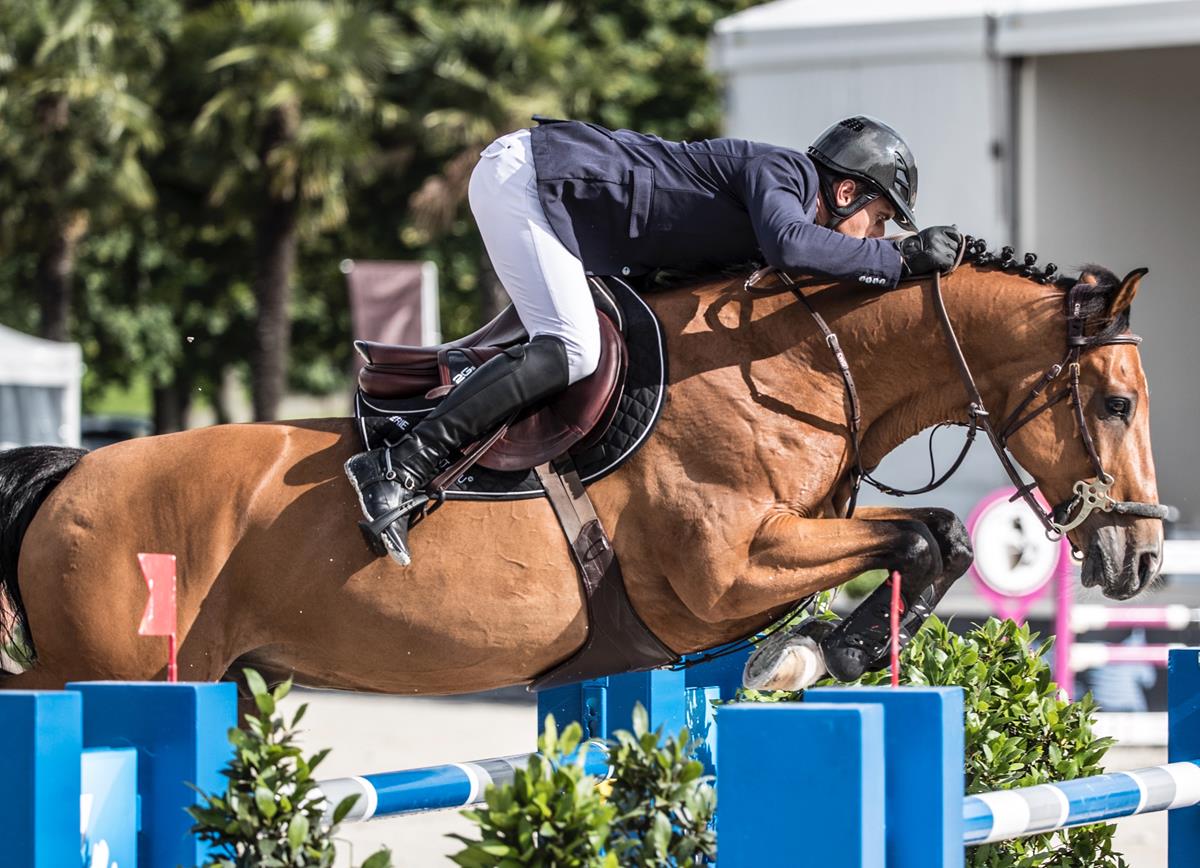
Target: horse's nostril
column 1147, row 568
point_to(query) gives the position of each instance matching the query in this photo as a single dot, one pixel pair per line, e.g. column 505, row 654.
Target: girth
column 617, row 639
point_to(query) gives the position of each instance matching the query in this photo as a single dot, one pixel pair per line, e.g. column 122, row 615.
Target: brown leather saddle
column 544, row 439
column 572, row 421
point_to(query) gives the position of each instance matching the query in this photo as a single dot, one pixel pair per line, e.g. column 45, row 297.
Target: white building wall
column 933, row 80
column 793, row 68
column 1112, row 175
column 1101, row 148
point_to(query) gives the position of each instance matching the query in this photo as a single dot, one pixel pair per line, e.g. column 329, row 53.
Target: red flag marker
column 897, row 610
column 159, row 618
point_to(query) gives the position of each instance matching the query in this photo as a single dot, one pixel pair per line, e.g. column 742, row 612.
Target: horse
column 731, row 512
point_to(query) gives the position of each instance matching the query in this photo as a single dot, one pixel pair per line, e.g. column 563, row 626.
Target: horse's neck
column 906, row 377
column 1009, row 332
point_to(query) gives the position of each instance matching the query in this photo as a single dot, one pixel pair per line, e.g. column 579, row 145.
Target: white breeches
column 544, row 279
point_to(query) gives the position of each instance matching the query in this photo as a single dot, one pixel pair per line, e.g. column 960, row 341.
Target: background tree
column 642, row 65
column 483, row 69
column 486, row 69
column 225, row 156
column 76, row 122
column 295, row 99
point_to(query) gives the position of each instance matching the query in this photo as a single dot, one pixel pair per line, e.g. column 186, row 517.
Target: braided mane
column 978, row 255
column 1093, row 298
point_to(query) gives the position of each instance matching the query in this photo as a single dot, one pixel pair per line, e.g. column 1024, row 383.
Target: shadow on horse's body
column 726, row 516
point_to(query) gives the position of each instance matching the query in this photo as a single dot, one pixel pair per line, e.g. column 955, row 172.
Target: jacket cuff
column 890, row 270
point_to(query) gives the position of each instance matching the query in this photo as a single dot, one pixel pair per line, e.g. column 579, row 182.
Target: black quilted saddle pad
column 383, row 421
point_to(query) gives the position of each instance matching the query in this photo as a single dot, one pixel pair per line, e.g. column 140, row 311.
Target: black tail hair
column 27, row 476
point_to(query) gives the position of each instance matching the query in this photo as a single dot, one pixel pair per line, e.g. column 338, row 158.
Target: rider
column 568, row 198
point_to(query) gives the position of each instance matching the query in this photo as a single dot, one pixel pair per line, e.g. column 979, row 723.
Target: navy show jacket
column 626, row 203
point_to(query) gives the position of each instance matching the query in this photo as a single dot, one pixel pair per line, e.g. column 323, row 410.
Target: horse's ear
column 1123, row 297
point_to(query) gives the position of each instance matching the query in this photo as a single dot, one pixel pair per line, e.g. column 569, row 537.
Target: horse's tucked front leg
column 860, row 642
column 931, row 551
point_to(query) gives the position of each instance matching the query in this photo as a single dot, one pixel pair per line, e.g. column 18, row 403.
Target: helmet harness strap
column 839, row 214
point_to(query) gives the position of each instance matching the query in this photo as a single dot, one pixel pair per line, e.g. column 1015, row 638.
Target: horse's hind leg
column 83, row 620
column 117, row 655
column 56, row 665
column 38, row 678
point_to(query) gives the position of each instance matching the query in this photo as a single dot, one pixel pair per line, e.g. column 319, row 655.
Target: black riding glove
column 931, row 250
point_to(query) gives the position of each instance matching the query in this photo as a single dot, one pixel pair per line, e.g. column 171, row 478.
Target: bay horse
column 730, row 512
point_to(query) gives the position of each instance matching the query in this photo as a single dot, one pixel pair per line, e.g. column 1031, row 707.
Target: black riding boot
column 391, row 483
column 861, row 640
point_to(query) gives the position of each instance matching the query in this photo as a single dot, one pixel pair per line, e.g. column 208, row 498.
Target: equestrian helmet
column 869, row 151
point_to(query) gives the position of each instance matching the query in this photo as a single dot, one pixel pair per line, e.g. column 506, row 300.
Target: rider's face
column 869, row 221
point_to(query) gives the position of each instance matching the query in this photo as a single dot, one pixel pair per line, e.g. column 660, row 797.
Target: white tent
column 39, row 390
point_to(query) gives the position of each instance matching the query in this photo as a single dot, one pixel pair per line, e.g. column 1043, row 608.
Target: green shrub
column 655, row 810
column 1018, row 731
column 270, row 815
column 664, row 803
column 550, row 815
column 863, row 584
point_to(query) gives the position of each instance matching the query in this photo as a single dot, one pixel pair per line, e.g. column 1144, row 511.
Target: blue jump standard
column 864, row 777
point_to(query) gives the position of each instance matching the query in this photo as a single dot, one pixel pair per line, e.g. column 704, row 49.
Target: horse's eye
column 1118, row 406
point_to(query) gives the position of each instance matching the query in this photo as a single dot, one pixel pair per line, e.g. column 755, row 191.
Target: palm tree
column 292, row 105
column 75, row 125
column 485, row 69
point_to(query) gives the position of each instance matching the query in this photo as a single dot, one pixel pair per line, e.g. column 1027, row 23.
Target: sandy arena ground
column 373, row 733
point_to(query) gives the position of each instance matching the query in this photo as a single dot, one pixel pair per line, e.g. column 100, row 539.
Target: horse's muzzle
column 1118, row 564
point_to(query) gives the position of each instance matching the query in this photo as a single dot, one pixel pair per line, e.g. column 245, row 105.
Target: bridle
column 1089, row 495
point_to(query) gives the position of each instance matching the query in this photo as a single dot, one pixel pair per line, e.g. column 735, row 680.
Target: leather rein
column 1089, row 495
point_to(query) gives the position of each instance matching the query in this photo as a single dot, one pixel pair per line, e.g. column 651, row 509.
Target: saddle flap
column 575, row 418
column 455, row 365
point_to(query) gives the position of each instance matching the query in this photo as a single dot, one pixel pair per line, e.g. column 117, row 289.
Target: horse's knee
column 918, row 552
column 958, row 554
column 954, row 542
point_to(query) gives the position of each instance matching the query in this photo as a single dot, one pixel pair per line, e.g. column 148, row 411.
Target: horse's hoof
column 792, row 663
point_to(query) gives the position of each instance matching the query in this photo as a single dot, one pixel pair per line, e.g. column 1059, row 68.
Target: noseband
column 1089, row 495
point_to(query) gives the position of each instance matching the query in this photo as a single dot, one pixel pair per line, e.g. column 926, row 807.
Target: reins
column 1089, row 495
column 859, row 473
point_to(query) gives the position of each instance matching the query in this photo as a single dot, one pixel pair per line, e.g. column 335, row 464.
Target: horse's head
column 1095, row 433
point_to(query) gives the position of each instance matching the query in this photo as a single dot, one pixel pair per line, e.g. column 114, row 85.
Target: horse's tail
column 27, row 476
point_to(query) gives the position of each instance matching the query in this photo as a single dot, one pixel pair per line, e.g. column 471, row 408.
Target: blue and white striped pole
column 454, row 785
column 1008, row 814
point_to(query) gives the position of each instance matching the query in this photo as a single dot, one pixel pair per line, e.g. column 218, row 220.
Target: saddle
column 560, row 444
column 572, row 421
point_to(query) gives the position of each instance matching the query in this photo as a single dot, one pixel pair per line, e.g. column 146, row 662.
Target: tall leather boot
column 392, row 483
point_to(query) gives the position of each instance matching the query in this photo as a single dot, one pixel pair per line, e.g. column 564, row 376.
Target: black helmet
column 870, row 151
